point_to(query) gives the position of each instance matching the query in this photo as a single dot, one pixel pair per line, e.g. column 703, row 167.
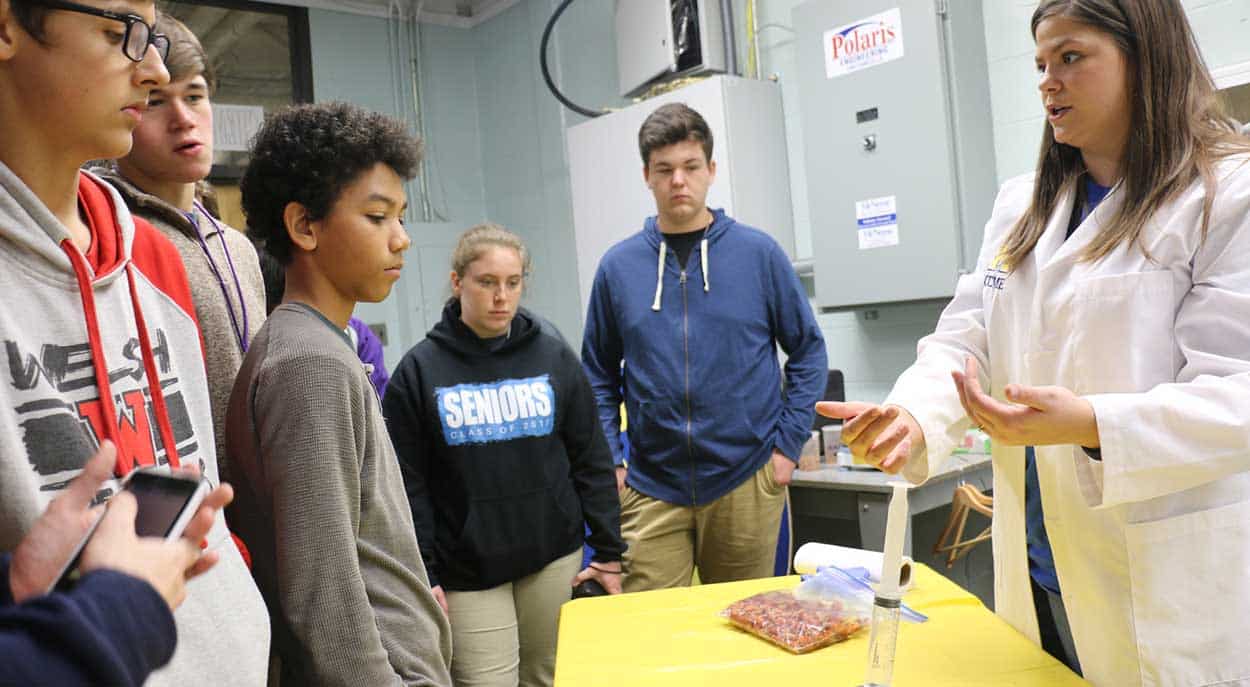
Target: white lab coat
column 1152, row 544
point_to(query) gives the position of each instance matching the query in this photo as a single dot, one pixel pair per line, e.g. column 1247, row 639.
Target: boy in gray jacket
column 171, row 155
column 320, row 500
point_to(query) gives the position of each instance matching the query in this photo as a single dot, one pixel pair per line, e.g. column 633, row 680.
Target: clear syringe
column 886, row 605
column 882, row 642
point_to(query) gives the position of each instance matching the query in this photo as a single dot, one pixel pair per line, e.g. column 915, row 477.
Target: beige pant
column 507, row 634
column 732, row 538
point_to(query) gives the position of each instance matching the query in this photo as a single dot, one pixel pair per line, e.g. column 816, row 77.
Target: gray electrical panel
column 895, row 110
column 666, row 38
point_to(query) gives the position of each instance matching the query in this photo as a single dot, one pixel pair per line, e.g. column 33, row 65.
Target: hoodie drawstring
column 659, row 272
column 100, row 364
column 659, row 277
column 703, row 260
column 154, row 379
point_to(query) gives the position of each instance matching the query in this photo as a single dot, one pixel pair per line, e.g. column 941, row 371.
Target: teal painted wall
column 497, row 152
column 353, row 58
column 494, row 146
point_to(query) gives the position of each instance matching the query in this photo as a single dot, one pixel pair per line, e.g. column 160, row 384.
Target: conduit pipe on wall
column 727, row 29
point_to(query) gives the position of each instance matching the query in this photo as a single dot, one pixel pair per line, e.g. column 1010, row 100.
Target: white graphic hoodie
column 77, row 352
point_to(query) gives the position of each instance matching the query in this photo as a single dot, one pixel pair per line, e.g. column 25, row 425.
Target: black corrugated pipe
column 542, row 61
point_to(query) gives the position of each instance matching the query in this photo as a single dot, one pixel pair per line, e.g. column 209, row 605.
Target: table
column 674, row 638
column 864, row 495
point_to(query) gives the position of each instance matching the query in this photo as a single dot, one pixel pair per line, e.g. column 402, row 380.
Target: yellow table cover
column 676, row 637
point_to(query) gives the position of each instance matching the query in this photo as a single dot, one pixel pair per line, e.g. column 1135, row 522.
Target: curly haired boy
column 320, row 500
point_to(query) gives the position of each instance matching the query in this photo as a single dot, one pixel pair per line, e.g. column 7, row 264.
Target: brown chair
column 966, row 499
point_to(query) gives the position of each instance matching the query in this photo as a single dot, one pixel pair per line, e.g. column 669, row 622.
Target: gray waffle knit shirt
column 321, row 506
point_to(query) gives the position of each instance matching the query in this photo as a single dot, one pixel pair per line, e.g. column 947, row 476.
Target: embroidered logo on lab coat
column 496, row 411
column 996, row 273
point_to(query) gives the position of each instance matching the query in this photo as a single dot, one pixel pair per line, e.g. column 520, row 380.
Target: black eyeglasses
column 139, row 34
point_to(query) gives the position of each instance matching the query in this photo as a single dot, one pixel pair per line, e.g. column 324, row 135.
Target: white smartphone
column 166, row 504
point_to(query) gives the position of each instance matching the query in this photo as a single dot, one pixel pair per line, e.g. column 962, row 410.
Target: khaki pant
column 732, row 538
column 506, row 635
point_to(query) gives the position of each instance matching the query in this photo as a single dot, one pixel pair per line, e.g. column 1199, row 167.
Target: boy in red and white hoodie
column 98, row 339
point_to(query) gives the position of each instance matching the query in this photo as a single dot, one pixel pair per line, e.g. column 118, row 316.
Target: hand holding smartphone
column 165, row 505
column 166, row 502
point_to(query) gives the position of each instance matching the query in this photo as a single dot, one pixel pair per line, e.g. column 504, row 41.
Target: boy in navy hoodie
column 713, row 437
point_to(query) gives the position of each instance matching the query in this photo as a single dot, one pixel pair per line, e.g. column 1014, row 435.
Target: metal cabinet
column 647, row 47
column 894, row 105
column 611, row 200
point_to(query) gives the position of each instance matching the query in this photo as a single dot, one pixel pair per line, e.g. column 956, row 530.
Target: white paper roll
column 812, row 555
column 895, row 531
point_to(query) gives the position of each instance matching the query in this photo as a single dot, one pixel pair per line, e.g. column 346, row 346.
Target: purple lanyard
column 240, row 333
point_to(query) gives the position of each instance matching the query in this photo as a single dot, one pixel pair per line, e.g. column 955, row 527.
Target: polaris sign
column 864, row 43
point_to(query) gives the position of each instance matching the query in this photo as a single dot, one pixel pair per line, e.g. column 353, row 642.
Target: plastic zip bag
column 857, row 582
column 824, row 610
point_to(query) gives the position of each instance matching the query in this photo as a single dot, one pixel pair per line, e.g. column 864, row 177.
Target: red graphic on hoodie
column 134, row 437
column 61, row 420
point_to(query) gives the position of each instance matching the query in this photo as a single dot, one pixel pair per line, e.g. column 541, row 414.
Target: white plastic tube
column 895, row 531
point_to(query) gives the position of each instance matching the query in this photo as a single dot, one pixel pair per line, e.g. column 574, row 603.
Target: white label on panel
column 235, row 125
column 864, row 43
column 876, row 221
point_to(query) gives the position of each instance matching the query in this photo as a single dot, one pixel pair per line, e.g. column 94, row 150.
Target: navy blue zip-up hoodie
column 701, row 382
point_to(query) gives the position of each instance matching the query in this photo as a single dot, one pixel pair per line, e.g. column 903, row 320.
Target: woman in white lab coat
column 1108, row 326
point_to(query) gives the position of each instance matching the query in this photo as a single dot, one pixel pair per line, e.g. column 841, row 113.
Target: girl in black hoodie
column 505, row 466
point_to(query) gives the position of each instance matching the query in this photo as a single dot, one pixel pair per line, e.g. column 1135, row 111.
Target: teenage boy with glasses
column 99, row 338
column 135, row 40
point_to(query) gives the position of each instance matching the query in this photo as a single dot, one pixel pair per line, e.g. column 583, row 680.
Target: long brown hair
column 1178, row 130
